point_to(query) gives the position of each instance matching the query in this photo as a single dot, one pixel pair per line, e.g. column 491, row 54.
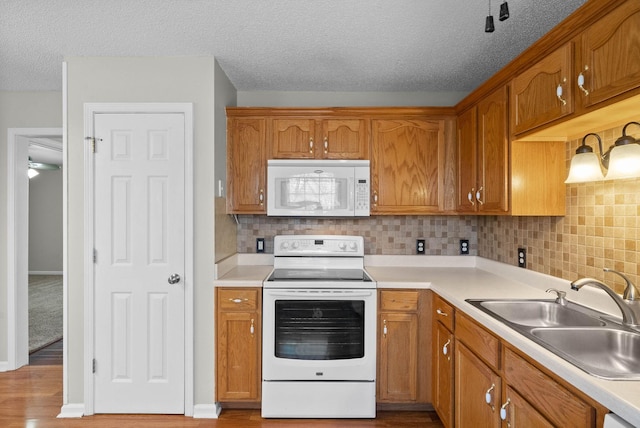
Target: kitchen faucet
column 629, row 304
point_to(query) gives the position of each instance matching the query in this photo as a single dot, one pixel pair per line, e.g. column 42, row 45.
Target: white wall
column 166, row 79
column 45, row 222
column 348, row 99
column 19, row 110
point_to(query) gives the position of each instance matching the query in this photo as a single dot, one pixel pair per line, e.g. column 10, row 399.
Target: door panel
column 139, row 225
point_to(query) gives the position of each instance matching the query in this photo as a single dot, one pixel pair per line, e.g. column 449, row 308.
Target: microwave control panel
column 362, row 192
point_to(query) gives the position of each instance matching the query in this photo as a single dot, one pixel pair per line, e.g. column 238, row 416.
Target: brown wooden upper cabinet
column 246, row 165
column 598, row 67
column 407, row 166
column 483, row 156
column 309, row 138
column 544, row 92
column 607, row 57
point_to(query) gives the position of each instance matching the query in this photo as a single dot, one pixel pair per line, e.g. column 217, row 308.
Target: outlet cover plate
column 464, row 246
column 420, row 246
column 522, row 257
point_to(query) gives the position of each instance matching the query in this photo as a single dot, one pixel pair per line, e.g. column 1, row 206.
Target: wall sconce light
column 585, row 165
column 624, row 156
column 622, row 160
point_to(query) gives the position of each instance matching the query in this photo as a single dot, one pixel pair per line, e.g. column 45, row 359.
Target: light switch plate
column 259, row 245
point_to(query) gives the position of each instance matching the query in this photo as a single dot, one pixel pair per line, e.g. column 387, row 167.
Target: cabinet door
column 345, row 139
column 477, row 391
column 293, row 139
column 467, row 160
column 519, row 413
column 407, row 166
column 493, row 154
column 238, row 356
column 609, row 59
column 543, row 93
column 398, row 362
column 246, row 166
column 443, row 374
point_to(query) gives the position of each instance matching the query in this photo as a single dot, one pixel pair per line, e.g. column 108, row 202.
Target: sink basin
column 538, row 313
column 608, row 353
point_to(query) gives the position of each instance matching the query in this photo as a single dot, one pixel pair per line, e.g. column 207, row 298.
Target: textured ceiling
column 280, row 45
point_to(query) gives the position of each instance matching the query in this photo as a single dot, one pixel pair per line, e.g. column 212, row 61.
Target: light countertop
column 456, row 278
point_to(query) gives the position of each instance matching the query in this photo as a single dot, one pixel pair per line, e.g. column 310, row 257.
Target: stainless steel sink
column 589, row 339
column 609, row 353
column 539, row 313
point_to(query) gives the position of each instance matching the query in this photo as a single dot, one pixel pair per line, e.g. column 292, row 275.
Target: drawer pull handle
column 238, row 300
column 252, row 328
column 480, row 201
column 470, row 196
column 503, row 411
column 439, row 312
column 581, row 81
column 310, row 145
column 326, row 145
column 559, row 94
column 445, row 348
column 384, row 328
column 488, row 396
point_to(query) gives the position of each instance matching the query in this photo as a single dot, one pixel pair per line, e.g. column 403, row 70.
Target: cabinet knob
column 503, row 411
column 559, row 92
column 488, row 396
column 478, row 195
column 581, row 80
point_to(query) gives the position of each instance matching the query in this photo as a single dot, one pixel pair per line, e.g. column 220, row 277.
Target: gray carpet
column 45, row 310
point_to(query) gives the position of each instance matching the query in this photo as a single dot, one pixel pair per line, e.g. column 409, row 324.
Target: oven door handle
column 320, row 295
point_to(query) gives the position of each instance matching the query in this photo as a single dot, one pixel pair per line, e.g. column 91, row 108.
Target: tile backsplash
column 393, row 235
column 601, row 229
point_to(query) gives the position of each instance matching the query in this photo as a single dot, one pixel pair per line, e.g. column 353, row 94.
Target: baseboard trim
column 207, row 411
column 45, row 272
column 71, row 411
column 4, row 366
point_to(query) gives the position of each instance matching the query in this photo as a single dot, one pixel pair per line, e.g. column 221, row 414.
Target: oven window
column 319, row 329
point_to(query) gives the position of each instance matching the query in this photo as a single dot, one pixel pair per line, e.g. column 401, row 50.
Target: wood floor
column 31, row 397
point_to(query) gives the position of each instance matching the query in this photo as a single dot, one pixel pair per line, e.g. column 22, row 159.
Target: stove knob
column 285, row 245
column 342, row 246
column 353, row 246
column 295, row 244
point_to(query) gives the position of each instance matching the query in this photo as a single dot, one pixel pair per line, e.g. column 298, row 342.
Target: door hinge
column 95, row 256
column 93, row 142
column 94, row 366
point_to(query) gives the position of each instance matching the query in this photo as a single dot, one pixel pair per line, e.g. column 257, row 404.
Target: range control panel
column 319, row 245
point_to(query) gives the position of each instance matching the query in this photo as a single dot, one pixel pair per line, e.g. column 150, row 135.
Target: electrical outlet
column 259, row 245
column 522, row 257
column 420, row 246
column 464, row 246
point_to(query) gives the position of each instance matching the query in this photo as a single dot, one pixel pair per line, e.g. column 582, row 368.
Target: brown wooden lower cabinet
column 495, row 385
column 404, row 352
column 238, row 344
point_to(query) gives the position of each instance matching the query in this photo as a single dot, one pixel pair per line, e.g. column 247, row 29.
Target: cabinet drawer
column 555, row 402
column 238, row 299
column 443, row 312
column 479, row 340
column 399, row 300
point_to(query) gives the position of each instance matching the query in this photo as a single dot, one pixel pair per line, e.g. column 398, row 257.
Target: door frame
column 90, row 110
column 17, row 248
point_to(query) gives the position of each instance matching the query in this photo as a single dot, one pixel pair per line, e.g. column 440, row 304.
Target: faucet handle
column 561, row 299
column 631, row 291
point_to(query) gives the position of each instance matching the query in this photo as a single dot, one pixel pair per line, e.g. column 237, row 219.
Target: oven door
column 319, row 334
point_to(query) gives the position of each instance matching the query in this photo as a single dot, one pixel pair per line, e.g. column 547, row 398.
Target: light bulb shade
column 32, row 173
column 585, row 167
column 504, row 11
column 488, row 25
column 624, row 162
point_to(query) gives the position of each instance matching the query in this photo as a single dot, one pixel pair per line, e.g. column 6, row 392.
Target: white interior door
column 139, row 238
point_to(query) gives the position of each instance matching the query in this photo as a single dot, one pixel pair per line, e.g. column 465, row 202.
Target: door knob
column 173, row 279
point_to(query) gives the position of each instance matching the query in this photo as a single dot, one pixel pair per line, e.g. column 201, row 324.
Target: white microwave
column 318, row 188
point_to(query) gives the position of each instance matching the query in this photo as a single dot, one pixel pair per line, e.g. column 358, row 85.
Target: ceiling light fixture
column 624, row 156
column 504, row 11
column 585, row 165
column 32, row 173
column 34, row 166
column 488, row 24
